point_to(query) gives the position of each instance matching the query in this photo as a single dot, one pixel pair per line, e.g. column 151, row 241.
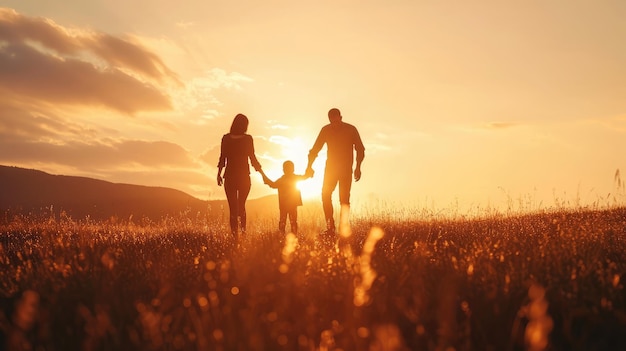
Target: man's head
column 334, row 115
column 288, row 167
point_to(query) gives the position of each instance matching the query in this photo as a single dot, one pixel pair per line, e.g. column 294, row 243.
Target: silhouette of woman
column 237, row 147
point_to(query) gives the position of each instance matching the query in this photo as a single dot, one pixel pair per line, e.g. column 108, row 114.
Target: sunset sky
column 459, row 104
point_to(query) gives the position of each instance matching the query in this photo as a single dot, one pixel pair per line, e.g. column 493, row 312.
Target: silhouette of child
column 289, row 196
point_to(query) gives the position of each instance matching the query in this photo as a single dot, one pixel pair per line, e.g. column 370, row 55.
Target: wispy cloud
column 500, row 125
column 485, row 127
column 219, row 78
column 377, row 147
column 280, row 140
column 185, row 25
column 614, row 123
column 279, row 126
column 200, row 92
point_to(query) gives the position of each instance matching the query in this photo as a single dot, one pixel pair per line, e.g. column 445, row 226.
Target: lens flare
column 367, row 274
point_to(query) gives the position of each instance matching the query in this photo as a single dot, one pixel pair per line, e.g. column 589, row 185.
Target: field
column 544, row 281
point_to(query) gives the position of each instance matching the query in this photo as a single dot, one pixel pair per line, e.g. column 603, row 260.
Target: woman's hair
column 240, row 125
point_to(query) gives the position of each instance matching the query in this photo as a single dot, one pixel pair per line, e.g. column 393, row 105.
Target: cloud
column 185, row 25
column 199, row 88
column 376, row 147
column 94, row 155
column 39, row 141
column 16, row 28
column 487, row 128
column 211, row 156
column 116, row 51
column 614, row 123
column 17, row 122
column 25, row 71
column 122, row 53
column 63, row 91
column 42, row 60
column 280, row 140
column 279, row 126
column 500, row 125
column 199, row 93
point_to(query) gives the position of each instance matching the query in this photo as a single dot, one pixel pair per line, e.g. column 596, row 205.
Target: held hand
column 357, row 174
column 309, row 172
column 264, row 176
column 220, row 181
column 266, row 180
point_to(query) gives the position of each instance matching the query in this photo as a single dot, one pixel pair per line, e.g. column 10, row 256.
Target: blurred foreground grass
column 551, row 281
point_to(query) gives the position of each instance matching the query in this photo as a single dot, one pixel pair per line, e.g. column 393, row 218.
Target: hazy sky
column 481, row 103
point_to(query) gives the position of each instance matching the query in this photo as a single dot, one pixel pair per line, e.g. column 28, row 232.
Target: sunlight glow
column 296, row 150
column 344, row 221
column 312, row 187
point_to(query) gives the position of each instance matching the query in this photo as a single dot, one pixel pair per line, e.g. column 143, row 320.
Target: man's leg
column 329, row 185
column 345, row 184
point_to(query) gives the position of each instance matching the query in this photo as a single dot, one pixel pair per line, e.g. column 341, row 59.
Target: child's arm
column 308, row 174
column 268, row 181
column 301, row 177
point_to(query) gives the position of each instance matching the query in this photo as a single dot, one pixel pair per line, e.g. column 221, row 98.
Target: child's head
column 288, row 167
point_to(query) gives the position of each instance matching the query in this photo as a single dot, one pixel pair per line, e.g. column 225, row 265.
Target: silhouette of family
column 342, row 141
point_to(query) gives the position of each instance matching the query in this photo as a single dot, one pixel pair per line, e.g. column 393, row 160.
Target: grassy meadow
column 546, row 281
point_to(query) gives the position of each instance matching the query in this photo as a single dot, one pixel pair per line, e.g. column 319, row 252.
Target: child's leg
column 293, row 220
column 282, row 221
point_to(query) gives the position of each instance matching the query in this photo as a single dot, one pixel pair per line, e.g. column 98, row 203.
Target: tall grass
column 552, row 280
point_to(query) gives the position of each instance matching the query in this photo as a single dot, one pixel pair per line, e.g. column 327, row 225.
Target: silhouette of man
column 341, row 139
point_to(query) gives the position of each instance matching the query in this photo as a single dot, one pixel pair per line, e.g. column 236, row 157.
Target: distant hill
column 27, row 191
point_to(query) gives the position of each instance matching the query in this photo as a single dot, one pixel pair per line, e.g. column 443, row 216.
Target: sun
column 312, row 188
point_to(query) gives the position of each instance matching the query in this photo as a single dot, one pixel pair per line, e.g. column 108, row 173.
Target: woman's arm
column 220, row 180
column 272, row 184
column 221, row 163
column 253, row 159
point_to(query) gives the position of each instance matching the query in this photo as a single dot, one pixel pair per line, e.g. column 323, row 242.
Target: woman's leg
column 244, row 190
column 230, row 187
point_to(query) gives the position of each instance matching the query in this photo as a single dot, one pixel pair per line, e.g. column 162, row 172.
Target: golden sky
column 459, row 104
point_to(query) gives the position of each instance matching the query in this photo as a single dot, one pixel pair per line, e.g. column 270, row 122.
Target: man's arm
column 360, row 155
column 317, row 146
